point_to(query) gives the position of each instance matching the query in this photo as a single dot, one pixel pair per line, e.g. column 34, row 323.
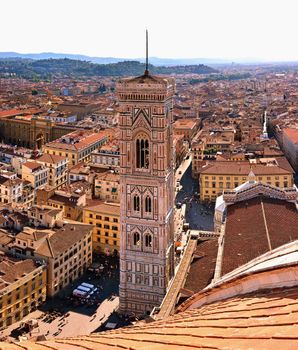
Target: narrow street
column 198, row 215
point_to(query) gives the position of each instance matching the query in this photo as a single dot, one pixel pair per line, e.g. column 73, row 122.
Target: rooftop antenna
column 146, row 70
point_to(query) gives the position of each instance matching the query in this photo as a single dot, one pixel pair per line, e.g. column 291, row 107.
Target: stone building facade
column 147, row 191
column 31, row 133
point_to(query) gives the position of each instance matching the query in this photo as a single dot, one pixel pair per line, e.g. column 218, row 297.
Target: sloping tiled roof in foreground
column 263, row 320
column 255, row 308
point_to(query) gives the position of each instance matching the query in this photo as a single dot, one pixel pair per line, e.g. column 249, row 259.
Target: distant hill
column 106, row 60
column 156, row 61
column 46, row 68
column 49, row 55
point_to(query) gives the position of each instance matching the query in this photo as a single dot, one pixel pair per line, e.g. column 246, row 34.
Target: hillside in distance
column 156, row 61
column 47, row 68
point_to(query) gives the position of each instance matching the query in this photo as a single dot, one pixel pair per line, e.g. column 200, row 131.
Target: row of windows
column 106, row 241
column 260, row 178
column 18, row 295
column 147, row 240
column 107, row 227
column 99, row 217
column 17, row 306
column 236, row 184
column 137, row 206
column 114, row 235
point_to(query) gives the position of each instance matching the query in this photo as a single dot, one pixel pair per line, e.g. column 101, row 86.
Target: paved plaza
column 65, row 316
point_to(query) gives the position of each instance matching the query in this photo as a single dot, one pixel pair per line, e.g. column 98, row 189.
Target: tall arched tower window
column 148, row 205
column 142, row 153
column 136, row 203
column 136, row 239
column 148, row 240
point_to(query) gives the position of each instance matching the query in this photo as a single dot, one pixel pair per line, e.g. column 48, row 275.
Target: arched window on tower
column 136, row 203
column 136, row 239
column 142, row 153
column 148, row 204
column 148, row 240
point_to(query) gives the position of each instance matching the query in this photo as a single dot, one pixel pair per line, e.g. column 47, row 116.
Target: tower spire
column 146, row 69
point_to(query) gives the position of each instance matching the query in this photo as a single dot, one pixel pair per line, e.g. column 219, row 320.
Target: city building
column 147, row 191
column 180, row 149
column 80, row 108
column 11, row 188
column 254, row 307
column 77, row 146
column 29, row 130
column 81, row 172
column 44, row 216
column 67, row 251
column 208, row 143
column 187, row 128
column 22, row 288
column 105, row 217
column 108, row 156
column 71, row 203
column 290, row 146
column 57, row 166
column 35, row 173
column 107, row 187
column 219, row 176
column 60, row 117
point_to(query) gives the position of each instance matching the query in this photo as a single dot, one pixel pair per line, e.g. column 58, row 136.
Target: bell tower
column 147, row 190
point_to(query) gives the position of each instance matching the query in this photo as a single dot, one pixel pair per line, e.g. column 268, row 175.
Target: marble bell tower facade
column 147, row 191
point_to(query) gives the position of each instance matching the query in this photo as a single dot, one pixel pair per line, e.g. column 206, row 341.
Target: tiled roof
column 255, row 309
column 63, row 238
column 146, row 79
column 50, row 158
column 104, row 208
column 203, row 265
column 260, row 320
column 292, row 134
column 82, row 140
column 275, row 222
column 186, row 124
column 32, row 165
column 243, row 168
column 70, row 201
column 11, row 271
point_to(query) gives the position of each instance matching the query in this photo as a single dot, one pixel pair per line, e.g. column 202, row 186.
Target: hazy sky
column 265, row 29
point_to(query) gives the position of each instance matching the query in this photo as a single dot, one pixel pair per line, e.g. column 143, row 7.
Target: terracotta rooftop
column 275, row 223
column 32, row 165
column 264, row 320
column 62, row 239
column 292, row 134
column 80, row 140
column 243, row 168
column 185, row 124
column 103, row 207
column 256, row 308
column 11, row 271
column 108, row 176
column 203, row 265
column 50, row 158
column 70, row 200
column 146, row 79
